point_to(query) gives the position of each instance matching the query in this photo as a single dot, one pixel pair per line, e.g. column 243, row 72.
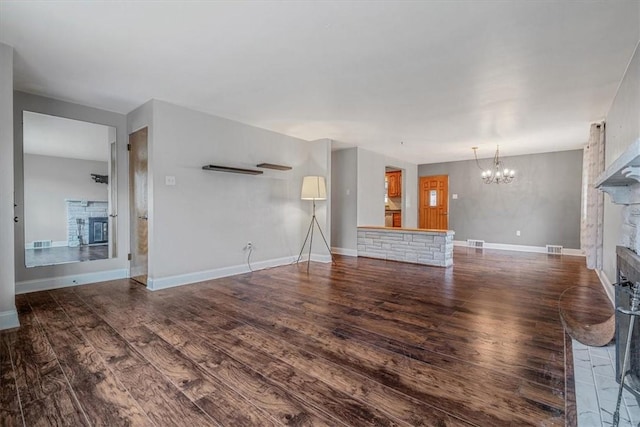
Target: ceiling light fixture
column 497, row 173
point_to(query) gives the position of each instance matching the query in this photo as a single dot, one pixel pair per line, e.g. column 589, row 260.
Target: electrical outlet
column 249, row 246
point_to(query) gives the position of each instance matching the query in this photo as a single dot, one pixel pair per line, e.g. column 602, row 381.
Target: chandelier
column 497, row 173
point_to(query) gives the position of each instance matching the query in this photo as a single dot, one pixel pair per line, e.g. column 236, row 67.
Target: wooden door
column 139, row 205
column 434, row 202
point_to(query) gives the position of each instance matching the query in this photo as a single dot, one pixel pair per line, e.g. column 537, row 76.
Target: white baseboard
column 9, row 319
column 607, row 285
column 200, row 276
column 66, row 281
column 318, row 258
column 55, row 244
column 520, row 248
column 344, row 251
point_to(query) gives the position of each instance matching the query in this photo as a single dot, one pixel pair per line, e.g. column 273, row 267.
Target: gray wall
column 202, row 224
column 344, row 214
column 39, row 104
column 8, row 315
column 371, row 173
column 543, row 202
column 48, row 181
column 622, row 129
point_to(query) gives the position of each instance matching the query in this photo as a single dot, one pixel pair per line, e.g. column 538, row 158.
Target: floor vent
column 554, row 249
column 41, row 244
column 475, row 243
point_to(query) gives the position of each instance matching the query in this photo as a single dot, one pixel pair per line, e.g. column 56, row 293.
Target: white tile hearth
column 597, row 389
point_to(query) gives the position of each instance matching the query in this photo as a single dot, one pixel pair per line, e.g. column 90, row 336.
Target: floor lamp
column 313, row 188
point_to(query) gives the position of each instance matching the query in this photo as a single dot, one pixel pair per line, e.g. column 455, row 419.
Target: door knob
column 15, row 219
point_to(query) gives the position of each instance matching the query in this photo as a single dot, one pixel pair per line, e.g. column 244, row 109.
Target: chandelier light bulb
column 497, row 174
column 512, row 173
column 484, row 174
column 506, row 172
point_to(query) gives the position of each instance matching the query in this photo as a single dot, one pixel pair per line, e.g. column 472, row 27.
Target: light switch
column 455, row 196
column 348, row 191
column 170, row 180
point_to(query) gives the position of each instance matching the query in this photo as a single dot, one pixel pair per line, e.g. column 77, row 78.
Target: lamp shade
column 313, row 188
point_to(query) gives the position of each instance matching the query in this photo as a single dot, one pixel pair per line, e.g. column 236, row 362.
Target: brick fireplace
column 79, row 213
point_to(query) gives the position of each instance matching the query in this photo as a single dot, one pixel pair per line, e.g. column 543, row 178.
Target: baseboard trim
column 155, row 284
column 72, row 280
column 54, row 244
column 344, row 251
column 607, row 285
column 9, row 319
column 520, row 248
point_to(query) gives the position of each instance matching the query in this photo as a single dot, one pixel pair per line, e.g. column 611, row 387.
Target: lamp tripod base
column 309, row 237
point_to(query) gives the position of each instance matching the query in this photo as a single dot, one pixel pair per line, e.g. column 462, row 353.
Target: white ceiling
column 440, row 76
column 59, row 137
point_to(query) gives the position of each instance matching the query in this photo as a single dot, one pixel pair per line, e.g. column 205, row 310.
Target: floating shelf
column 620, row 178
column 274, row 166
column 231, row 170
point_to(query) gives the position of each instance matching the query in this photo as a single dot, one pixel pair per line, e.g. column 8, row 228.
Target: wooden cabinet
column 397, row 219
column 394, row 180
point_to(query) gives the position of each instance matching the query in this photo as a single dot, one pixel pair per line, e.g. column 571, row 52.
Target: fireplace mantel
column 621, row 180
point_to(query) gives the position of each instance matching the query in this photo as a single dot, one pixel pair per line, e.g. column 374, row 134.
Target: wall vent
column 475, row 243
column 41, row 244
column 554, row 249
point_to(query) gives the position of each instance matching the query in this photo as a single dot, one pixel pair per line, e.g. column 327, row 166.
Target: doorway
column 138, row 198
column 393, row 200
column 434, row 202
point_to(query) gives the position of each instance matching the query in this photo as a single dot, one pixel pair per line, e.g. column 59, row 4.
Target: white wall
column 344, row 213
column 622, row 129
column 48, row 181
column 201, row 225
column 80, row 272
column 370, row 197
column 8, row 315
column 319, row 163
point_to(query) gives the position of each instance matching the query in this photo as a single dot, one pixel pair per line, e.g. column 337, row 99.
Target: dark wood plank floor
column 362, row 342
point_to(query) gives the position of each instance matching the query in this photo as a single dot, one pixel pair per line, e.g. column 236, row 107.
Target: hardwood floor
column 362, row 342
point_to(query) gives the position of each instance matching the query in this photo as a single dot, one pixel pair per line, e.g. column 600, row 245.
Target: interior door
column 434, row 202
column 139, row 205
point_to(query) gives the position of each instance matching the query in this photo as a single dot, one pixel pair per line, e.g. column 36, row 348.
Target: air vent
column 41, row 244
column 554, row 249
column 475, row 243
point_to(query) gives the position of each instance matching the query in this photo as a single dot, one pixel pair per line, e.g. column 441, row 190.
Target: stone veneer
column 429, row 247
column 631, row 227
column 83, row 209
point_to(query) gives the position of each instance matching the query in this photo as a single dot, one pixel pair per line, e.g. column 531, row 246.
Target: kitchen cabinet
column 394, row 180
column 397, row 219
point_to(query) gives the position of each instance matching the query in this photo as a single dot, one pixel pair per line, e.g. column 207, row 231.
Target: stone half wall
column 428, row 247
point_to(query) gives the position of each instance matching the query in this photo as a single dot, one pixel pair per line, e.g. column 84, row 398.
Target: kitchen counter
column 414, row 245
